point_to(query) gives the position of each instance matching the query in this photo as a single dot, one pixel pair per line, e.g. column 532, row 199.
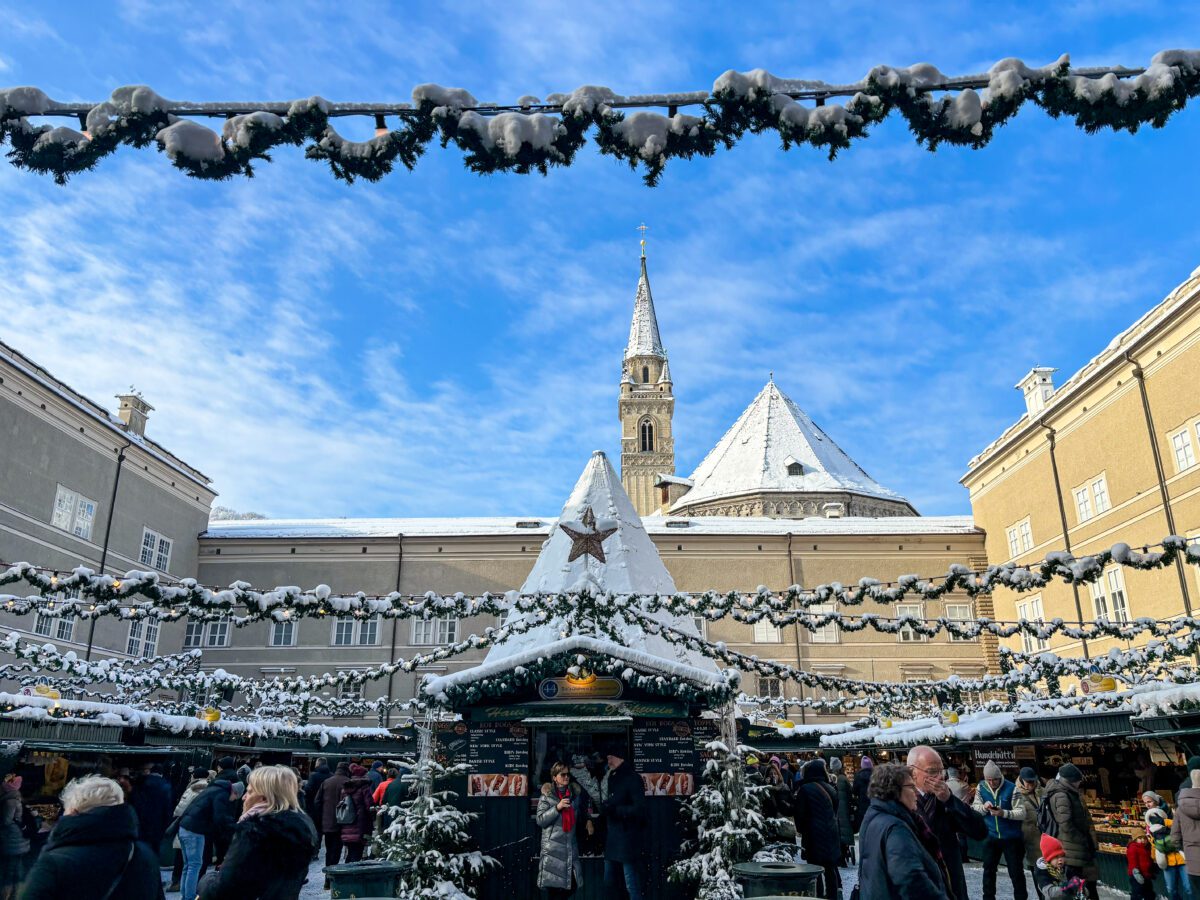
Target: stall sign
column 589, row 687
column 42, row 688
column 1026, row 753
column 664, row 754
column 633, row 708
column 1004, row 757
column 498, row 754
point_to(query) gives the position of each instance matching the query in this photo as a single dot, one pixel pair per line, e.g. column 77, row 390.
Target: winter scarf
column 256, row 810
column 568, row 814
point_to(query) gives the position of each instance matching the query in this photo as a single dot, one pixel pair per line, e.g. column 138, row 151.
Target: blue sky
column 442, row 343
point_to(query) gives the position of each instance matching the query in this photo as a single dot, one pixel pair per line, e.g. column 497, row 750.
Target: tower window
column 795, row 469
column 646, row 430
column 645, row 374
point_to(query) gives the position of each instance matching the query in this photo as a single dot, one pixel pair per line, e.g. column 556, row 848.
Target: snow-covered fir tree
column 729, row 826
column 432, row 834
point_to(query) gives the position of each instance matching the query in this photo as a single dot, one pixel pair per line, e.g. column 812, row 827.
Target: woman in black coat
column 894, row 863
column 272, row 843
column 815, row 806
column 93, row 852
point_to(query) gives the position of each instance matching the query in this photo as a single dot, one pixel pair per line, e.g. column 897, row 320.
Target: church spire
column 644, row 339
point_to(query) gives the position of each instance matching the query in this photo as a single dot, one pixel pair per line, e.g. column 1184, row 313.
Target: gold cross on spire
column 643, row 228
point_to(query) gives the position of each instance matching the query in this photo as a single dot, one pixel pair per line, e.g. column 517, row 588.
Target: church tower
column 646, row 405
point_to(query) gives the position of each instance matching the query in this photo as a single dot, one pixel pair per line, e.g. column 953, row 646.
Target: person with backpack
column 93, row 852
column 326, row 806
column 1064, row 817
column 1167, row 854
column 208, row 822
column 354, row 813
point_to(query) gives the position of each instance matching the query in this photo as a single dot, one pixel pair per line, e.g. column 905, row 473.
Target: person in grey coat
column 558, row 815
column 1186, row 828
column 841, row 785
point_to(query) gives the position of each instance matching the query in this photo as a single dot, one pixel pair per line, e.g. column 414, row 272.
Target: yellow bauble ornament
column 211, row 714
column 952, row 718
column 784, row 723
column 886, row 723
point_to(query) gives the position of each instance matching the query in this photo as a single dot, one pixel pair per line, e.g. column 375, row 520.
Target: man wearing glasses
column 946, row 815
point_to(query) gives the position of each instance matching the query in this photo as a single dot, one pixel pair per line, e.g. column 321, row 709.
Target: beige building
column 80, row 486
column 1108, row 456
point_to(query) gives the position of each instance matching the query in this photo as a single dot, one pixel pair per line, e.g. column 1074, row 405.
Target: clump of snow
column 137, row 98
column 443, row 97
column 1009, row 77
column 1188, row 60
column 191, row 140
column 334, row 143
column 647, row 132
column 965, row 111
column 528, row 100
column 812, row 118
column 509, row 131
column 585, row 100
column 24, row 101
column 238, row 130
column 922, row 75
column 745, row 84
column 307, row 105
column 61, row 135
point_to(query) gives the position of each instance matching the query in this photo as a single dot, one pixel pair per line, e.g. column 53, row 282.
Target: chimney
column 833, row 510
column 133, row 411
column 1037, row 387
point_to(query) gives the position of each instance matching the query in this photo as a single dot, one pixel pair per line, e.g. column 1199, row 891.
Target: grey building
column 80, row 485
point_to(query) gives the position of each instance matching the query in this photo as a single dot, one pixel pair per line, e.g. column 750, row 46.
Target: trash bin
column 362, row 880
column 772, row 879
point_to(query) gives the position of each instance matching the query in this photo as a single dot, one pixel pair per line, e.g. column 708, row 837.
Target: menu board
column 664, row 754
column 498, row 754
column 450, row 742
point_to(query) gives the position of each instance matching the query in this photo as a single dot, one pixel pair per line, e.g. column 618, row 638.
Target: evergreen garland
column 526, row 139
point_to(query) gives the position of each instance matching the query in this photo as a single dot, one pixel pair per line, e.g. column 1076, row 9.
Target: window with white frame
column 206, row 634
column 1030, row 609
column 73, row 512
column 826, row 634
column 283, row 634
column 350, row 692
column 156, row 550
column 434, row 631
column 701, row 624
column 1091, row 498
column 1083, row 503
column 1020, row 538
column 1109, row 598
column 766, row 633
column 351, row 631
column 1181, row 444
column 769, row 686
column 1100, row 494
column 959, row 612
column 143, row 639
column 908, row 634
column 60, row 628
column 1014, row 543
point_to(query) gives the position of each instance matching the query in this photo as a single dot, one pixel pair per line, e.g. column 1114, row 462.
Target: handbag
column 172, row 830
column 346, row 814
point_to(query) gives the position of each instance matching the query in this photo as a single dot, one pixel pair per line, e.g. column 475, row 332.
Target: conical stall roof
column 754, row 455
column 600, row 546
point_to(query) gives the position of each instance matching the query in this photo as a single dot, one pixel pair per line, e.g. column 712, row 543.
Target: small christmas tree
column 730, row 828
column 429, row 832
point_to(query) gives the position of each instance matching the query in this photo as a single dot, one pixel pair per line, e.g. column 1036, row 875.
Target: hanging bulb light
column 380, row 125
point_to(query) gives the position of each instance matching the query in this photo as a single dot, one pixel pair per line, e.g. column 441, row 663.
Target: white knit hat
column 991, row 770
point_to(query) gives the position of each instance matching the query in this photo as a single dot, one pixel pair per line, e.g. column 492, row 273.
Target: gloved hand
column 1138, row 876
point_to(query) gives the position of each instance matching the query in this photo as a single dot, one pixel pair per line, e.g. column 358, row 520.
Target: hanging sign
column 498, row 754
column 664, row 755
column 586, row 687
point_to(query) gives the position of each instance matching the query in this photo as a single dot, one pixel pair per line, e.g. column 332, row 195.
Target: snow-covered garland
column 524, row 138
column 108, row 595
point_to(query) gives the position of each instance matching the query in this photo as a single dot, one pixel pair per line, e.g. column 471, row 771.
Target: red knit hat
column 1052, row 848
column 357, row 771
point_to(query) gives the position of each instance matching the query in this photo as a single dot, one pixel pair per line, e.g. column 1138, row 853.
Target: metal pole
column 112, row 503
column 395, row 625
column 1062, row 513
column 796, row 626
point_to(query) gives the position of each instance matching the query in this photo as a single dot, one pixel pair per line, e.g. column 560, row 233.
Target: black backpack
column 1047, row 824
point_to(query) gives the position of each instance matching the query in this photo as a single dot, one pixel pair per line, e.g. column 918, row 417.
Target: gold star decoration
column 588, row 542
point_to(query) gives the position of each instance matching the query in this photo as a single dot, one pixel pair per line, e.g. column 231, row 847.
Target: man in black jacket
column 207, row 823
column 946, row 815
column 624, row 808
column 816, row 822
column 862, row 778
column 312, row 790
column 154, row 803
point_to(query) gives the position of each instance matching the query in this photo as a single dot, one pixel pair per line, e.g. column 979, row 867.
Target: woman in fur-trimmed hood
column 558, row 815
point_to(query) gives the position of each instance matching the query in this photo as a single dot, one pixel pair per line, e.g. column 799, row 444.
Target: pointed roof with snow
column 597, row 506
column 644, row 339
column 758, row 454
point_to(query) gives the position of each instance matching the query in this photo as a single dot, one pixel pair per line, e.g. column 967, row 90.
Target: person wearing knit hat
column 1167, row 854
column 994, row 801
column 353, row 813
column 1027, row 800
column 862, row 778
column 845, row 812
column 1075, row 829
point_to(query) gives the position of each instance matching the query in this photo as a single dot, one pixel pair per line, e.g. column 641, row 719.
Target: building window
column 58, row 627
column 646, row 432
column 826, row 634
column 770, row 687
column 428, row 632
column 1031, row 611
column 1020, row 538
column 766, row 633
column 908, row 634
column 73, row 512
column 1109, row 598
column 795, row 469
column 701, row 624
column 1014, row 543
column 959, row 612
column 283, row 634
column 645, row 374
column 1181, row 443
column 1083, row 503
column 143, row 639
column 1100, row 494
column 350, row 631
column 156, row 550
column 350, row 691
column 206, row 634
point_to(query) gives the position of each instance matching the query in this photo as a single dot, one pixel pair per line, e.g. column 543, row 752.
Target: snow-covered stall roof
column 644, row 339
column 930, row 730
column 755, row 454
column 627, row 563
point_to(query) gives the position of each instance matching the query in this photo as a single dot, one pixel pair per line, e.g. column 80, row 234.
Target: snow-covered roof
column 1181, row 296
column 655, row 525
column 644, row 339
column 931, row 730
column 101, row 416
column 631, row 565
column 663, row 478
column 752, row 457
